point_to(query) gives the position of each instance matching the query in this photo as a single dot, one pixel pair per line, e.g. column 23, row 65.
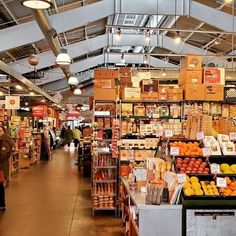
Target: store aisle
column 50, row 199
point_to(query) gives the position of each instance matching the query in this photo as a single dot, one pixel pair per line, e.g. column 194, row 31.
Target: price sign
column 221, row 182
column 157, row 116
column 215, row 168
column 168, row 133
column 232, row 136
column 206, row 152
column 174, row 151
column 143, row 189
column 182, row 178
column 200, row 135
column 102, row 113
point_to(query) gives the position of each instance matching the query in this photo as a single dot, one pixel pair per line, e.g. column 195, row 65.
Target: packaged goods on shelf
column 191, row 62
column 193, row 92
column 131, row 93
column 211, row 142
column 212, row 76
column 163, row 93
column 225, row 110
column 224, row 126
column 139, row 110
column 105, row 94
column 148, row 86
column 126, row 109
column 115, row 137
column 214, row 92
column 150, row 96
column 206, row 125
column 232, row 111
column 127, row 155
column 190, row 77
column 230, row 93
column 227, row 147
column 111, row 108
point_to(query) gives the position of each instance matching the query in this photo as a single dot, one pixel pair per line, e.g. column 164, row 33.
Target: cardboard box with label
column 106, row 74
column 214, row 92
column 175, row 94
column 125, row 72
column 104, row 94
column 149, row 85
column 191, row 62
column 150, row 96
column 104, row 83
column 212, row 76
column 131, row 93
column 194, row 91
column 190, row 77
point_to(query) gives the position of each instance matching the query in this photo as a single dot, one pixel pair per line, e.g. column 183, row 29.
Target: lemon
column 187, row 185
column 194, row 179
column 189, row 192
column 199, row 192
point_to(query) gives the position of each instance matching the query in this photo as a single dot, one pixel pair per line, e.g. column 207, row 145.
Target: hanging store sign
column 39, row 111
column 73, row 115
column 12, row 102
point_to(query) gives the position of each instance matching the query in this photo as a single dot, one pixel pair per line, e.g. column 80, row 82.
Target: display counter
column 164, row 219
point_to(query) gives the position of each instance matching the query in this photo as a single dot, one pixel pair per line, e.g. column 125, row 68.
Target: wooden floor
column 50, row 199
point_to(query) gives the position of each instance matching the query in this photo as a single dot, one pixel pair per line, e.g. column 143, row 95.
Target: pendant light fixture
column 37, row 4
column 145, row 59
column 148, row 36
column 63, row 59
column 123, row 58
column 118, row 35
column 73, row 81
column 177, row 37
column 77, row 91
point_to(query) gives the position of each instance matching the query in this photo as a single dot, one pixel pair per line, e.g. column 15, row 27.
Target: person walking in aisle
column 77, row 136
column 62, row 135
column 68, row 136
column 6, row 145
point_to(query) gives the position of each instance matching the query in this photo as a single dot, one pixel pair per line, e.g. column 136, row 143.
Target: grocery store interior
column 118, row 117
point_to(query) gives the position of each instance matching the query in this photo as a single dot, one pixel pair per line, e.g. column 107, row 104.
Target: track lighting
column 147, row 36
column 177, row 37
column 118, row 35
column 123, row 58
column 37, row 4
column 145, row 59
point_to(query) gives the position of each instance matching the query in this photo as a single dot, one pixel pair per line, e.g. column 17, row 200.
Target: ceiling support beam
column 21, row 79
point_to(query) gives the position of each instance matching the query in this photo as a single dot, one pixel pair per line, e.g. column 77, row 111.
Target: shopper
column 52, row 133
column 6, row 145
column 68, row 136
column 62, row 135
column 77, row 136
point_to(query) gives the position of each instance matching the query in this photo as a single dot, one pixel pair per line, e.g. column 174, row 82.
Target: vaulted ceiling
column 87, row 28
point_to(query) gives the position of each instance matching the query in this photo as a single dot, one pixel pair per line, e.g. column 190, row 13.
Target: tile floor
column 50, row 199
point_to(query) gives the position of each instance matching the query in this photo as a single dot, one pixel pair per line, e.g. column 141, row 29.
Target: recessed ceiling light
column 31, row 94
column 37, row 4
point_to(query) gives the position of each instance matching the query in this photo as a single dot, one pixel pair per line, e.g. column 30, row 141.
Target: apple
column 192, row 162
column 179, row 159
column 190, row 165
column 187, row 159
column 205, row 172
column 182, row 169
column 189, row 168
column 193, row 172
column 204, row 163
column 179, row 166
column 199, row 160
column 194, row 169
column 193, row 159
column 187, row 172
column 199, row 172
column 179, row 162
column 196, row 165
column 207, row 169
column 184, row 165
column 185, row 162
column 200, row 169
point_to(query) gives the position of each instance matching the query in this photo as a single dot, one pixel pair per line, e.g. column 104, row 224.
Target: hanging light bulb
column 228, row 1
column 63, row 58
column 26, row 103
column 217, row 41
column 37, row 4
column 145, row 60
column 77, row 91
column 147, row 36
column 164, row 73
column 19, row 87
column 177, row 37
column 73, row 81
column 118, row 35
column 122, row 58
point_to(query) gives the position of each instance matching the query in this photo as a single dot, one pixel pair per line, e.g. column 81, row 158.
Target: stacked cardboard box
column 190, row 77
column 105, row 84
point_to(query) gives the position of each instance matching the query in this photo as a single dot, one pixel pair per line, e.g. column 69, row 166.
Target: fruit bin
column 191, row 165
column 187, row 147
column 229, row 160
